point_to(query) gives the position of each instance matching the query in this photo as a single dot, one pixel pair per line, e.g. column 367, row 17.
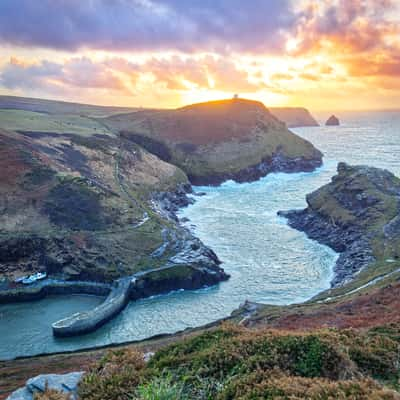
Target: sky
column 323, row 55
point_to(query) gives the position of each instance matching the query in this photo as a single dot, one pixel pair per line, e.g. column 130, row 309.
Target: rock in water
column 332, row 121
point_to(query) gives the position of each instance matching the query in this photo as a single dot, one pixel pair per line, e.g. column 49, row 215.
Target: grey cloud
column 146, row 24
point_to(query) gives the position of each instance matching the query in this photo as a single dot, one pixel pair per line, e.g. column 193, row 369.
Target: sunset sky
column 340, row 54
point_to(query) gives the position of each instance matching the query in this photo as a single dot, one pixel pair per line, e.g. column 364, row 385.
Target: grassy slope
column 21, row 120
column 59, row 107
column 48, row 159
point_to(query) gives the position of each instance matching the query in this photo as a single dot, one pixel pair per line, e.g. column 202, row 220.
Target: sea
column 268, row 261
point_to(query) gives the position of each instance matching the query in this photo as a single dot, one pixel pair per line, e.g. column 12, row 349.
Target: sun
column 291, row 45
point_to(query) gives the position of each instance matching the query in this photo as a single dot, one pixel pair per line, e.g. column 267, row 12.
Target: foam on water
column 268, row 261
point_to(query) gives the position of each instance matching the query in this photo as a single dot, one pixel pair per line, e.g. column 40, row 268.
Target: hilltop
column 219, row 140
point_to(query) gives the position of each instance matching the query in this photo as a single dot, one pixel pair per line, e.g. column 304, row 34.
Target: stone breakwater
column 144, row 284
column 48, row 287
column 89, row 321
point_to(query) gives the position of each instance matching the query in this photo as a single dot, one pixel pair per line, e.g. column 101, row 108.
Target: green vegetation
column 21, row 120
column 356, row 189
column 161, row 389
column 236, row 363
column 177, row 272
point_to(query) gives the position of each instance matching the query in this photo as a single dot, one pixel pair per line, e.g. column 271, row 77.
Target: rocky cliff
column 358, row 215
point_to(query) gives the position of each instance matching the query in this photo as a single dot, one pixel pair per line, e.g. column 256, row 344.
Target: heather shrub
column 234, row 362
column 277, row 386
column 115, row 377
column 51, row 394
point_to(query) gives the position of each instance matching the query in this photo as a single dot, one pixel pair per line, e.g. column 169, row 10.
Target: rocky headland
column 358, row 215
column 220, row 140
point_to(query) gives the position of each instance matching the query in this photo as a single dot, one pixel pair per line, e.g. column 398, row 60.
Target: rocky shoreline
column 356, row 215
column 193, row 266
column 278, row 162
column 354, row 250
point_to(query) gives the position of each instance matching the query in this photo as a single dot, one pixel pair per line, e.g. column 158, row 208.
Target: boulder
column 66, row 383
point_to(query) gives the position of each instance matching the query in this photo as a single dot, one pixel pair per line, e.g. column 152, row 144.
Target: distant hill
column 59, row 107
column 294, row 116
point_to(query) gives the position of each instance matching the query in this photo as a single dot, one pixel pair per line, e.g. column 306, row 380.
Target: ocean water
column 268, row 261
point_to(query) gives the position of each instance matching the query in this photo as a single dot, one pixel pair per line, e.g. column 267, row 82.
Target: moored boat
column 33, row 278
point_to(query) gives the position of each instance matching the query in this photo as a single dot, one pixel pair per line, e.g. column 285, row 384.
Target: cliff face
column 212, row 142
column 76, row 202
column 294, row 116
column 358, row 215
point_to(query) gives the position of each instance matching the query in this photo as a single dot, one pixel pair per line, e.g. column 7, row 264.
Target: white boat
column 33, row 278
column 40, row 275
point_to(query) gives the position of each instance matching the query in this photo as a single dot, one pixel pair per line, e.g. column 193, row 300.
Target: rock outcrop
column 332, row 121
column 357, row 215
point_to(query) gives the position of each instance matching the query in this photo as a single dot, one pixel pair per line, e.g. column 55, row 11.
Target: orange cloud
column 281, row 77
column 309, row 77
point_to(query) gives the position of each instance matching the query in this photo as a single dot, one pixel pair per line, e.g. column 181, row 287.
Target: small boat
column 33, row 278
